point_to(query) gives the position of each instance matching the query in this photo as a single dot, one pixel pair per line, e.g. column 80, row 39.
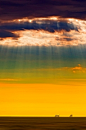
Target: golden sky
column 65, row 98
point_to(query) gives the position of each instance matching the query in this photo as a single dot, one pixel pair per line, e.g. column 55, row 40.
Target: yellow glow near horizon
column 43, row 99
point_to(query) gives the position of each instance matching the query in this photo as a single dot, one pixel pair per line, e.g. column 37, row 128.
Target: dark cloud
column 80, row 0
column 10, row 9
column 9, row 3
column 68, row 39
column 47, row 25
column 5, row 34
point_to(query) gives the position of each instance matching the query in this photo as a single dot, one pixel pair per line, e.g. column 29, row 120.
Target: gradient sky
column 42, row 57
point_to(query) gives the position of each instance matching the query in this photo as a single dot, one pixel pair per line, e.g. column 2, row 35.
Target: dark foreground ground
column 42, row 123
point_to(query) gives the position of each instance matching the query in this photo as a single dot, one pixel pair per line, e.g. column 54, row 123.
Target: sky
column 42, row 57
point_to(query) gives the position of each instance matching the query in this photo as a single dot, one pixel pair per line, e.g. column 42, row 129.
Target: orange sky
column 43, row 99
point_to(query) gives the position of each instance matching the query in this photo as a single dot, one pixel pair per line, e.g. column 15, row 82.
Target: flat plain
column 42, row 123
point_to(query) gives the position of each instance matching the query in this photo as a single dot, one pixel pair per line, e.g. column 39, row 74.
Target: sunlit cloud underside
column 53, row 31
